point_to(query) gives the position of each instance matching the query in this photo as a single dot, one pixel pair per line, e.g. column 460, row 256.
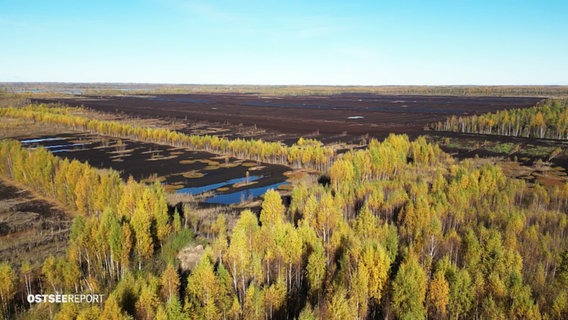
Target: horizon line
column 279, row 85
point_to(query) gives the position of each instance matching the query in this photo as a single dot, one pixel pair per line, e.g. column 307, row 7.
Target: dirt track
column 376, row 115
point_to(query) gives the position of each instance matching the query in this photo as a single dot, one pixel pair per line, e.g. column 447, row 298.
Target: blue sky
column 484, row 42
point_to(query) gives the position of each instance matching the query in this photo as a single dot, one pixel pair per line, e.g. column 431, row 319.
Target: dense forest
column 402, row 230
column 547, row 120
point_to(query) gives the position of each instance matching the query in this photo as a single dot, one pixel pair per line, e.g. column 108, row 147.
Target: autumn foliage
column 549, row 119
column 401, row 231
column 306, row 153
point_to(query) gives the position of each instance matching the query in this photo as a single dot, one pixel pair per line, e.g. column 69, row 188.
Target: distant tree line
column 547, row 120
column 44, row 88
column 526, row 91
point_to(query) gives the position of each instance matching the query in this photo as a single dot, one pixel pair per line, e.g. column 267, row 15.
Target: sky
column 422, row 42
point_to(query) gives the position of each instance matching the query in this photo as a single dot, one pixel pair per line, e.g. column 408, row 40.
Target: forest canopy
column 402, row 230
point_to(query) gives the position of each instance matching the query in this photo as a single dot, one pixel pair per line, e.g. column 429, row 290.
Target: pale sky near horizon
column 460, row 42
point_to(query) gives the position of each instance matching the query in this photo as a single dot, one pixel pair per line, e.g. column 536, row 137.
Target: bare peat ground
column 175, row 167
column 30, row 228
column 343, row 114
column 348, row 117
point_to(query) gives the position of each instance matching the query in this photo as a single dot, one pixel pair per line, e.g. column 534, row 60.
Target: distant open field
column 348, row 113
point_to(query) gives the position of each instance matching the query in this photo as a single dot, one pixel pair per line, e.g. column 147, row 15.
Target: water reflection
column 209, row 187
column 240, row 196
